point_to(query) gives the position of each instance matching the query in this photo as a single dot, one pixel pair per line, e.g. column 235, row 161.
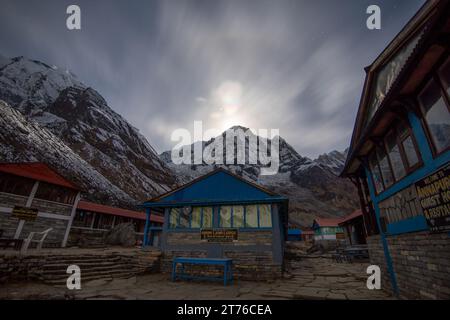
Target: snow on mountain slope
column 82, row 119
column 313, row 186
column 26, row 141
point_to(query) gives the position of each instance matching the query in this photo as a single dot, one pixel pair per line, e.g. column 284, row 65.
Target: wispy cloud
column 294, row 65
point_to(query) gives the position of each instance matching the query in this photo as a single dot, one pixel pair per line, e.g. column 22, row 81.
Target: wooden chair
column 29, row 240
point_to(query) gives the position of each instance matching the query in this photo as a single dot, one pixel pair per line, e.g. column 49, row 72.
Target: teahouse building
column 223, row 215
column 327, row 230
column 399, row 157
column 34, row 198
column 93, row 220
column 354, row 229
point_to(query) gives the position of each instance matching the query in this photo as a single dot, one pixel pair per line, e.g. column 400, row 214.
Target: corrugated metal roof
column 37, row 171
column 217, row 186
column 95, row 207
column 327, row 222
column 353, row 215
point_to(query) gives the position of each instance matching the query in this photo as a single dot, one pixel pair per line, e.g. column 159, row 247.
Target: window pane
column 173, row 217
column 184, row 217
column 207, row 217
column 265, row 218
column 394, row 156
column 444, row 74
column 436, row 114
column 384, row 167
column 196, row 217
column 410, row 151
column 225, row 217
column 375, row 172
column 238, row 216
column 251, row 217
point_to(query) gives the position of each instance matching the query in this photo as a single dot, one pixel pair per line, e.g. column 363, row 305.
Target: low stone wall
column 86, row 238
column 91, row 238
column 421, row 262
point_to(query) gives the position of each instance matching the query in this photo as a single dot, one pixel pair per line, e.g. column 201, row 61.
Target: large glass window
column 196, row 218
column 376, row 175
column 187, row 217
column 407, row 146
column 207, row 219
column 173, row 217
column 265, row 218
column 436, row 114
column 385, row 168
column 184, row 217
column 251, row 216
column 238, row 216
column 395, row 156
column 225, row 217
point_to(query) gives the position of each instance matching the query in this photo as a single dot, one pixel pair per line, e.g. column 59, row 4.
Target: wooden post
column 28, row 204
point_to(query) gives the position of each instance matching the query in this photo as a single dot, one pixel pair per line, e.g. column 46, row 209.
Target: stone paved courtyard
column 308, row 278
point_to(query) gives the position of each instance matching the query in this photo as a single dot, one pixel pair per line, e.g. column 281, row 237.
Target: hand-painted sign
column 219, row 235
column 434, row 196
column 23, row 213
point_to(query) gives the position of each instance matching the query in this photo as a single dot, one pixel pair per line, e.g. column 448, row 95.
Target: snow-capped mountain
column 79, row 119
column 313, row 186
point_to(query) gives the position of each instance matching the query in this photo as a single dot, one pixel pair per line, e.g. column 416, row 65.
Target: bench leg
column 174, row 271
column 231, row 274
column 225, row 274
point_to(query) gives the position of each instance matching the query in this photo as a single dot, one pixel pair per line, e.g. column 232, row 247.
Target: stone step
column 88, row 264
column 82, row 257
column 92, row 272
column 86, row 278
column 63, row 271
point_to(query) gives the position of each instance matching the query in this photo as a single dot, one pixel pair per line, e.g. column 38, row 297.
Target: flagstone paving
column 308, row 278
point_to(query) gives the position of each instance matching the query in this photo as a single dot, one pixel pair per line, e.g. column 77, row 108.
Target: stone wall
column 421, row 262
column 252, row 254
column 91, row 238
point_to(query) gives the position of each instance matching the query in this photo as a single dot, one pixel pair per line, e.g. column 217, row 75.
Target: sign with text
column 434, row 196
column 23, row 213
column 219, row 235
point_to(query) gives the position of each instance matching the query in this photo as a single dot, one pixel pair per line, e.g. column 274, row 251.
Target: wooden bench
column 226, row 263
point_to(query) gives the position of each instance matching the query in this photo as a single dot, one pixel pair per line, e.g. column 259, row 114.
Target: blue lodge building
column 399, row 157
column 221, row 215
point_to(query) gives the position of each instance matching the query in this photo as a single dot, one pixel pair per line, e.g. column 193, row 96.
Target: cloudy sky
column 296, row 66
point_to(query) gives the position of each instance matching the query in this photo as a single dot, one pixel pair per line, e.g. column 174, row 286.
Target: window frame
column 433, row 76
column 245, row 217
column 399, row 141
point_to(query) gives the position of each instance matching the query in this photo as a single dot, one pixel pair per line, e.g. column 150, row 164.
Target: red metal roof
column 328, row 222
column 37, row 171
column 353, row 215
column 95, row 207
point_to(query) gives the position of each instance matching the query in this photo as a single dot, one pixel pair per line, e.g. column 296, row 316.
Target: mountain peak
column 238, row 127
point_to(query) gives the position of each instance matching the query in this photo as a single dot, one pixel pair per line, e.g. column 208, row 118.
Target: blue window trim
column 430, row 165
